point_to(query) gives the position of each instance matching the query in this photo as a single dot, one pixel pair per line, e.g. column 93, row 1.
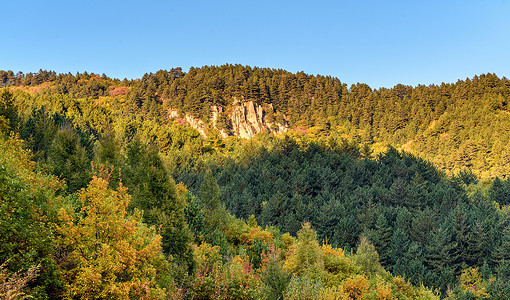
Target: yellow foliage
column 257, row 233
column 240, row 269
column 471, row 280
column 14, row 155
column 384, row 292
column 180, row 190
column 337, row 265
column 403, row 286
column 206, row 256
column 330, row 251
column 306, row 257
column 355, row 287
column 334, row 293
column 105, row 253
column 288, row 241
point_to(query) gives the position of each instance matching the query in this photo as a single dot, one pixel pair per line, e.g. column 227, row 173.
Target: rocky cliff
column 241, row 119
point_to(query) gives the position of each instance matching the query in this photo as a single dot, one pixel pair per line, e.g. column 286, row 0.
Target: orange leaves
column 328, row 250
column 118, row 90
column 257, row 233
column 403, row 286
column 384, row 292
column 356, row 287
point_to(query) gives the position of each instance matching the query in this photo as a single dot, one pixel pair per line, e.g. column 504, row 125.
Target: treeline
column 456, row 126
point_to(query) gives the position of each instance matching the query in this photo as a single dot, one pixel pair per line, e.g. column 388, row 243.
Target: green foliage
column 368, row 259
column 210, row 192
column 215, row 280
column 255, row 251
column 27, row 211
column 69, row 160
column 500, row 191
column 307, row 257
column 154, row 192
column 8, row 109
column 303, row 288
column 423, row 120
column 275, row 279
column 343, row 170
column 195, row 216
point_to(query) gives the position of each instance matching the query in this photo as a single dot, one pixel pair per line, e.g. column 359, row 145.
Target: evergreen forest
column 398, row 193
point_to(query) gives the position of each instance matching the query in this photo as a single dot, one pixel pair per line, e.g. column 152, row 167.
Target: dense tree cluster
column 424, row 225
column 456, row 126
column 74, row 144
column 88, row 245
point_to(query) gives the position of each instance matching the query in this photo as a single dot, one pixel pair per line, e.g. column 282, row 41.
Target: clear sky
column 380, row 43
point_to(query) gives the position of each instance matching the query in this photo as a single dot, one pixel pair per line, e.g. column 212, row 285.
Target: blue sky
column 380, row 43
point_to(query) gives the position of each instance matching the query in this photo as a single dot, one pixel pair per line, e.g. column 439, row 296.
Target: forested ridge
column 454, row 125
column 388, row 193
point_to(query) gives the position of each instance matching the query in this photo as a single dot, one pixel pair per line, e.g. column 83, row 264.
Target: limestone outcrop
column 241, row 119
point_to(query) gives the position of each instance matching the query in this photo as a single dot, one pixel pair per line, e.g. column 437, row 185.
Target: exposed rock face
column 242, row 119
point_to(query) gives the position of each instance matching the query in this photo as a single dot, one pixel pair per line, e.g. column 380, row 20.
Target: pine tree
column 381, row 239
column 477, row 241
column 210, row 192
column 398, row 246
column 500, row 191
column 8, row 109
column 69, row 159
column 443, row 259
column 501, row 254
column 155, row 193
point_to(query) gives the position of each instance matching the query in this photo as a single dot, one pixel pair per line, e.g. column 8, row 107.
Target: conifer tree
column 154, row 192
column 8, row 109
column 210, row 192
column 398, row 246
column 69, row 159
column 501, row 254
column 381, row 239
column 500, row 191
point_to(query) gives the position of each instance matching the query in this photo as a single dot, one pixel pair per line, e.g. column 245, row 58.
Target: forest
column 395, row 193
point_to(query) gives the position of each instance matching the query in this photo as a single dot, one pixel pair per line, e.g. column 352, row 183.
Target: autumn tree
column 307, row 257
column 368, row 259
column 104, row 252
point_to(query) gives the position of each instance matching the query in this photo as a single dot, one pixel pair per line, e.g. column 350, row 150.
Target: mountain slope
column 457, row 126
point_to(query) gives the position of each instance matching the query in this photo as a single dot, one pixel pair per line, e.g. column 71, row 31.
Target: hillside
column 225, row 209
column 456, row 126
